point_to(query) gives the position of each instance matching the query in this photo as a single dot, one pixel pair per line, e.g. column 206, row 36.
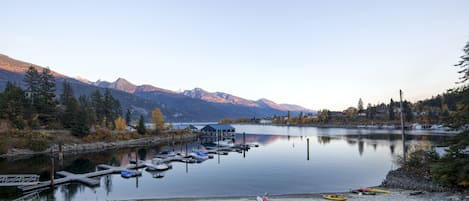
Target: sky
column 318, row 54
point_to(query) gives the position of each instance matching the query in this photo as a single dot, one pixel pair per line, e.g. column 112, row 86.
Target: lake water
column 339, row 159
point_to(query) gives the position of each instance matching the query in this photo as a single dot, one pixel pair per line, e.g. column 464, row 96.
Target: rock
column 404, row 180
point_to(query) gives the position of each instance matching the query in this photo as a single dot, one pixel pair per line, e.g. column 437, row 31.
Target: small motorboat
column 158, row 167
column 199, row 155
column 130, row 173
column 225, row 143
column 334, row 197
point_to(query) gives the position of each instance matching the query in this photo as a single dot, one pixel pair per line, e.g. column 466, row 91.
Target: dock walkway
column 71, row 177
column 18, row 180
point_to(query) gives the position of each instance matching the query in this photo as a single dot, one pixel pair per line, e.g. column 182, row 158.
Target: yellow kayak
column 335, row 197
column 379, row 190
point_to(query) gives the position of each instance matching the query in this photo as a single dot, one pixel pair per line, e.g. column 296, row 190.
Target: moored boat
column 130, row 173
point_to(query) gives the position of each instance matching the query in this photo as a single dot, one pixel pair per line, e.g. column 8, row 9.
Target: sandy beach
column 396, row 194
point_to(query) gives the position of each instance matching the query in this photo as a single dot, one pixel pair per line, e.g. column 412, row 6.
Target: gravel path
column 395, row 195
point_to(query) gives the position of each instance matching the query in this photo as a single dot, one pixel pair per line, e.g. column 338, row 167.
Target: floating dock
column 86, row 178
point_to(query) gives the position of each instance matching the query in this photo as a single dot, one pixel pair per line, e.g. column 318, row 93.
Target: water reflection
column 333, row 163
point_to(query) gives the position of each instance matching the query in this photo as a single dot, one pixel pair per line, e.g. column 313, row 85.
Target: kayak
column 379, row 190
column 361, row 192
column 335, row 197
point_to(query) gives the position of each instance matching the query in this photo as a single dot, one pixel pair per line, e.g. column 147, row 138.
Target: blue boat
column 130, row 173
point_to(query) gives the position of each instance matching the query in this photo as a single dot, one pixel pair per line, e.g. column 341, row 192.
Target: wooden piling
column 52, row 172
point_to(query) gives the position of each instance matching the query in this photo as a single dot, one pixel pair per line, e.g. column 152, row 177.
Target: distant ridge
column 190, row 105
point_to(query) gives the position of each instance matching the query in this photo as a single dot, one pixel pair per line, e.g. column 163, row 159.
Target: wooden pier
column 86, row 178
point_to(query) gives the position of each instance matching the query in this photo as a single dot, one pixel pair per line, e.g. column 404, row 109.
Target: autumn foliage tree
column 120, row 124
column 157, row 119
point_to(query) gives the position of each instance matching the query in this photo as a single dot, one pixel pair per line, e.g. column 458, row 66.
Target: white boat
column 199, row 155
column 225, row 143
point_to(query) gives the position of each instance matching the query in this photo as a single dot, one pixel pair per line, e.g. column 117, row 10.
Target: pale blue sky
column 319, row 54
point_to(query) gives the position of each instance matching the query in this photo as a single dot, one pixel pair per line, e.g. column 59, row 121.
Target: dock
column 86, row 178
column 18, row 180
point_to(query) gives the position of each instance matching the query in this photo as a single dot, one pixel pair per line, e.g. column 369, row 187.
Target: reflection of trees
column 69, row 191
column 374, row 146
column 351, row 142
column 324, row 139
column 114, row 161
column 391, row 148
column 361, row 147
column 108, row 184
column 142, row 154
column 80, row 166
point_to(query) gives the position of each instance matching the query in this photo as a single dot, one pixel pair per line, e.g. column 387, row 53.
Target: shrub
column 37, row 144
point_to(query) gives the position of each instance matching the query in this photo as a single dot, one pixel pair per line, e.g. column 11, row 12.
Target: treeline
column 36, row 106
column 435, row 110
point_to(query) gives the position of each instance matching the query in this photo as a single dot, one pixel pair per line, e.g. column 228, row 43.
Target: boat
column 363, row 192
column 199, row 155
column 225, row 143
column 130, row 173
column 334, row 197
column 158, row 167
column 379, row 190
column 158, row 175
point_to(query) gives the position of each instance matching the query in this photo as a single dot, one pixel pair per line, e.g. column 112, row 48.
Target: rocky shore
column 100, row 146
column 395, row 195
column 404, row 180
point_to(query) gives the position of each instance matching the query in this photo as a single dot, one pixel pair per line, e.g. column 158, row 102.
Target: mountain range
column 189, row 105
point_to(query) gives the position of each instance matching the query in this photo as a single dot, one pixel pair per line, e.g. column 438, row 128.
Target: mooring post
column 244, row 139
column 61, row 156
column 307, row 142
column 52, row 173
column 136, row 160
column 402, row 127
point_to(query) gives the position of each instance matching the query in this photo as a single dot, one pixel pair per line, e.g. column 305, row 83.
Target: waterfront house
column 215, row 129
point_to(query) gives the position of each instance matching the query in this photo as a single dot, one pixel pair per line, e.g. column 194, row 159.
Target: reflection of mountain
column 261, row 139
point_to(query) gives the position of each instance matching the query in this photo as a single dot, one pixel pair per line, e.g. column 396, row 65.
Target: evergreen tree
column 32, row 81
column 85, row 104
column 392, row 116
column 70, row 103
column 409, row 115
column 13, row 105
column 141, row 126
column 67, row 93
column 461, row 117
column 128, row 117
column 80, row 128
column 46, row 103
column 360, row 105
column 98, row 106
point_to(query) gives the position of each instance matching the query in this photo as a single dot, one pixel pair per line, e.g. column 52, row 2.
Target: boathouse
column 214, row 129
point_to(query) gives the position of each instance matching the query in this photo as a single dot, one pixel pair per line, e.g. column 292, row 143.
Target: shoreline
column 73, row 148
column 396, row 194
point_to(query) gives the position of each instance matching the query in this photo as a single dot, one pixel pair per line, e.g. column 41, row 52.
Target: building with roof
column 215, row 129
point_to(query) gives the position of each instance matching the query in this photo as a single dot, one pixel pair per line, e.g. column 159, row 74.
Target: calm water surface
column 339, row 159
